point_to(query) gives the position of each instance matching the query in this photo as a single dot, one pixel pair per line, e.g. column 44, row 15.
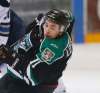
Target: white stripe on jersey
column 14, row 72
column 3, row 40
column 4, row 28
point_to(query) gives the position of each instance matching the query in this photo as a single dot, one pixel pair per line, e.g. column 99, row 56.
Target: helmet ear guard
column 69, row 19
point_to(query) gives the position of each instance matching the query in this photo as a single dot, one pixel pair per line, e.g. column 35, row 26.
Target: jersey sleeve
column 36, row 21
column 24, row 43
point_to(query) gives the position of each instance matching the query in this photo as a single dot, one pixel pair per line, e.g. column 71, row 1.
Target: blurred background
column 28, row 9
column 83, row 72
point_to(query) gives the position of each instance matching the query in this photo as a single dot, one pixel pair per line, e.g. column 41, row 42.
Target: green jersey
column 50, row 59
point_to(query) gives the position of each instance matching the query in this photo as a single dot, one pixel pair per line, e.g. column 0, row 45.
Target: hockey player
column 37, row 60
column 11, row 28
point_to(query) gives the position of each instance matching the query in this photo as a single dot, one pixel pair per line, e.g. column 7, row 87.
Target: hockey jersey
column 4, row 21
column 42, row 59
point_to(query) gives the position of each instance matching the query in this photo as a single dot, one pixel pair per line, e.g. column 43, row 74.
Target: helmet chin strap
column 62, row 28
column 66, row 27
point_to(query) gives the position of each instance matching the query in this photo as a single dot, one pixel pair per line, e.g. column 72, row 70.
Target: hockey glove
column 5, row 54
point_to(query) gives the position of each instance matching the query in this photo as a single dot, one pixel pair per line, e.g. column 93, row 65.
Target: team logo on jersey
column 47, row 55
column 24, row 43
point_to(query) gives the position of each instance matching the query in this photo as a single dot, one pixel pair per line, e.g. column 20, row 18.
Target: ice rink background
column 83, row 72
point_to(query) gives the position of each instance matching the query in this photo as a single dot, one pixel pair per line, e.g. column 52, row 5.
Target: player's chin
column 51, row 36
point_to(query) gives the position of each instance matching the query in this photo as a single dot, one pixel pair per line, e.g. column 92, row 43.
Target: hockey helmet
column 60, row 17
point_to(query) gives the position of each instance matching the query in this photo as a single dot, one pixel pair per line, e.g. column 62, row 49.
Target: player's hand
column 5, row 53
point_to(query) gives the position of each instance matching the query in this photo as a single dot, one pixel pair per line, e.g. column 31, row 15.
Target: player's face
column 51, row 29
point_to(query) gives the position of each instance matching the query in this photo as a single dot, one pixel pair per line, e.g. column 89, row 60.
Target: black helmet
column 59, row 17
